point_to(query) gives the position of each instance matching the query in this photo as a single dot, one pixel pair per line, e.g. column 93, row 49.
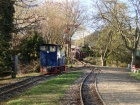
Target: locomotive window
column 44, row 48
column 52, row 48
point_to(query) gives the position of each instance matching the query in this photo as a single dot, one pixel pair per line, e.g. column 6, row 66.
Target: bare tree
column 52, row 25
column 25, row 19
column 25, row 16
column 75, row 17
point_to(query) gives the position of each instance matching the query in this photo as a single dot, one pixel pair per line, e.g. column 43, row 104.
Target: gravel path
column 116, row 87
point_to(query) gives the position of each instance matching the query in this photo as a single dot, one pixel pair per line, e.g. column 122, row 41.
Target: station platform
column 116, row 87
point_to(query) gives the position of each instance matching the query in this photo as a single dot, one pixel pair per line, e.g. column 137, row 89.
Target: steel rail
column 81, row 86
column 21, row 86
column 96, row 89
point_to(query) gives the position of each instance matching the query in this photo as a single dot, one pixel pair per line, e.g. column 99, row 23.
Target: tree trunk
column 103, row 61
column 134, row 57
column 69, row 53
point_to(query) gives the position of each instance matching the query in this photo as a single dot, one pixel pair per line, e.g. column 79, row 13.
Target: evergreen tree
column 6, row 29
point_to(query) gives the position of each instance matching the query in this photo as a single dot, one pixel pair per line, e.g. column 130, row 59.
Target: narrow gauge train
column 52, row 59
column 77, row 53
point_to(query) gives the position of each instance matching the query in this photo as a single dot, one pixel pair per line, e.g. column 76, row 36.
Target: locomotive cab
column 51, row 59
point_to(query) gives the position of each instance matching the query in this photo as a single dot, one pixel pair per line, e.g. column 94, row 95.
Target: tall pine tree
column 6, row 29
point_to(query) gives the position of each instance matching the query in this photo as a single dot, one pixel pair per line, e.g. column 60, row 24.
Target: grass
column 70, row 65
column 47, row 93
column 135, row 75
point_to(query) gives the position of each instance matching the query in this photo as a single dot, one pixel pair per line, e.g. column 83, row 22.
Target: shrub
column 31, row 48
column 91, row 60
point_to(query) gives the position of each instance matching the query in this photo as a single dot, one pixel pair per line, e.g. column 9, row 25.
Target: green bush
column 31, row 48
column 91, row 60
column 87, row 50
column 37, row 69
column 123, row 64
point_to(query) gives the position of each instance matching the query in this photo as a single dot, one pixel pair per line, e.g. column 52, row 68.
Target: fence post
column 15, row 66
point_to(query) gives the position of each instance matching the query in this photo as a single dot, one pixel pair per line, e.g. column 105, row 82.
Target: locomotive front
column 52, row 59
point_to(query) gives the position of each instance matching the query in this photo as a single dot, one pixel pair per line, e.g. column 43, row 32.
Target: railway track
column 89, row 94
column 9, row 91
column 12, row 90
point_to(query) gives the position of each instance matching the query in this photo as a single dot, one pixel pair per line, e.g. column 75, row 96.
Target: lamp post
column 15, row 65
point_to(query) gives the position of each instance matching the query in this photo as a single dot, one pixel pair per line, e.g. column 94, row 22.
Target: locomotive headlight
column 44, row 69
